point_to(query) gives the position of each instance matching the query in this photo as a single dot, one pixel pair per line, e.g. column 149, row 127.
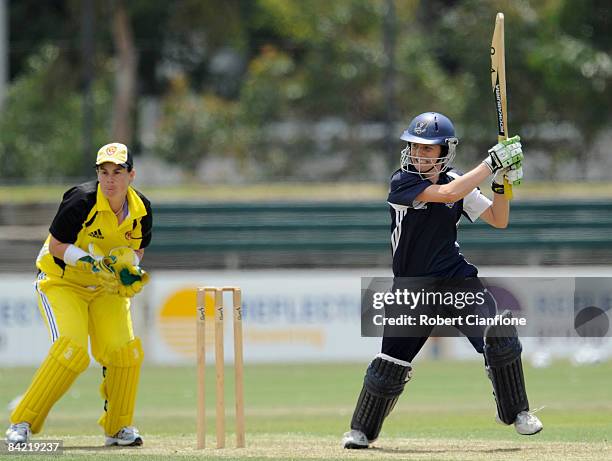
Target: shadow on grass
column 99, row 448
column 407, row 451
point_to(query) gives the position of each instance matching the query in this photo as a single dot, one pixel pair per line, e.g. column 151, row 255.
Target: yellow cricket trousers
column 73, row 314
column 77, row 313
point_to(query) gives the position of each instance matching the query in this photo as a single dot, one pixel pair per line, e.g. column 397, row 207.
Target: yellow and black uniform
column 85, row 217
column 76, row 309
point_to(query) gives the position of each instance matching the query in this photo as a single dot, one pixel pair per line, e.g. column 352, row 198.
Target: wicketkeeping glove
column 504, row 154
column 101, row 268
column 126, row 270
column 132, row 279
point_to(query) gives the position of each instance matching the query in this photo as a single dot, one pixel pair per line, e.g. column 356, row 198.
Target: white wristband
column 73, row 254
column 489, row 163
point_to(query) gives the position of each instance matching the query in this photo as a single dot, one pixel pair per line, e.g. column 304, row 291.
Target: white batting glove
column 513, row 174
column 504, row 154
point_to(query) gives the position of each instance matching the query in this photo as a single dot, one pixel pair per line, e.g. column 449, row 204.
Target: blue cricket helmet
column 430, row 128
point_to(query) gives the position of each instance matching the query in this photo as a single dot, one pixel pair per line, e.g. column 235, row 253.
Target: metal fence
column 235, row 235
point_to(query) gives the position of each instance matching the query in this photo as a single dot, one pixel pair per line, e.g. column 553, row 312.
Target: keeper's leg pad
column 120, row 385
column 65, row 361
column 383, row 383
column 502, row 353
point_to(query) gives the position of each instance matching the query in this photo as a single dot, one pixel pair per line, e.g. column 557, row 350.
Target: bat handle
column 507, row 186
column 507, row 190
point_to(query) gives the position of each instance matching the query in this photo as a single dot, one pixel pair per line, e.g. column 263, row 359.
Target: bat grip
column 507, row 190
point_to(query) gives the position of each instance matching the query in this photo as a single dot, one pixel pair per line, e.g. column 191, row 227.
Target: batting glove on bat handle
column 504, row 154
column 512, row 175
column 515, row 174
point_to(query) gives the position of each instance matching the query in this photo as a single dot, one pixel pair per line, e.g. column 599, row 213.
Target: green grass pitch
column 301, row 411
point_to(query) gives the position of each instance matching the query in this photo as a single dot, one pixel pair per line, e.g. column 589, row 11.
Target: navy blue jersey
column 424, row 235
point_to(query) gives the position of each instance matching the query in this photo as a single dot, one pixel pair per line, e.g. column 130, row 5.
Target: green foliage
column 338, row 49
column 40, row 125
column 269, row 86
column 244, row 64
column 194, row 127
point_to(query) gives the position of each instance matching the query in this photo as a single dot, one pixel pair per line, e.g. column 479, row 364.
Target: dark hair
column 129, row 168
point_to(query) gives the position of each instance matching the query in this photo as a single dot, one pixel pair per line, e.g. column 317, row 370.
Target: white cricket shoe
column 126, row 437
column 18, row 433
column 527, row 423
column 355, row 439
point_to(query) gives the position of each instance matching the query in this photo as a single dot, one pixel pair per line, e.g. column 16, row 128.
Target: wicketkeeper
column 427, row 198
column 89, row 268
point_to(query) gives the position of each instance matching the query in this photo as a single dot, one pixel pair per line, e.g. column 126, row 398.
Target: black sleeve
column 72, row 213
column 405, row 187
column 146, row 224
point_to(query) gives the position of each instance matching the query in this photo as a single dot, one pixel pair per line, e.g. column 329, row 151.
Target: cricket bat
column 498, row 81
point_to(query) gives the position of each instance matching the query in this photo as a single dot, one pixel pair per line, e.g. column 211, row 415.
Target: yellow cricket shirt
column 85, row 217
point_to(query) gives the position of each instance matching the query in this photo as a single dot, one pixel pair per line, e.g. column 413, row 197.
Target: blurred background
column 264, row 133
column 285, row 90
column 291, row 101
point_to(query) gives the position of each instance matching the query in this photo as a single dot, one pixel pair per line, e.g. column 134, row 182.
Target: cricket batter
column 88, row 271
column 427, row 199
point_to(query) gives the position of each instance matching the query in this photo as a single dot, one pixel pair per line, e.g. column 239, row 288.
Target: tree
column 40, row 122
column 125, row 75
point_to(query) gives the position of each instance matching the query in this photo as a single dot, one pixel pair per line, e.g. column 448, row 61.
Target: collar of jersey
column 136, row 207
